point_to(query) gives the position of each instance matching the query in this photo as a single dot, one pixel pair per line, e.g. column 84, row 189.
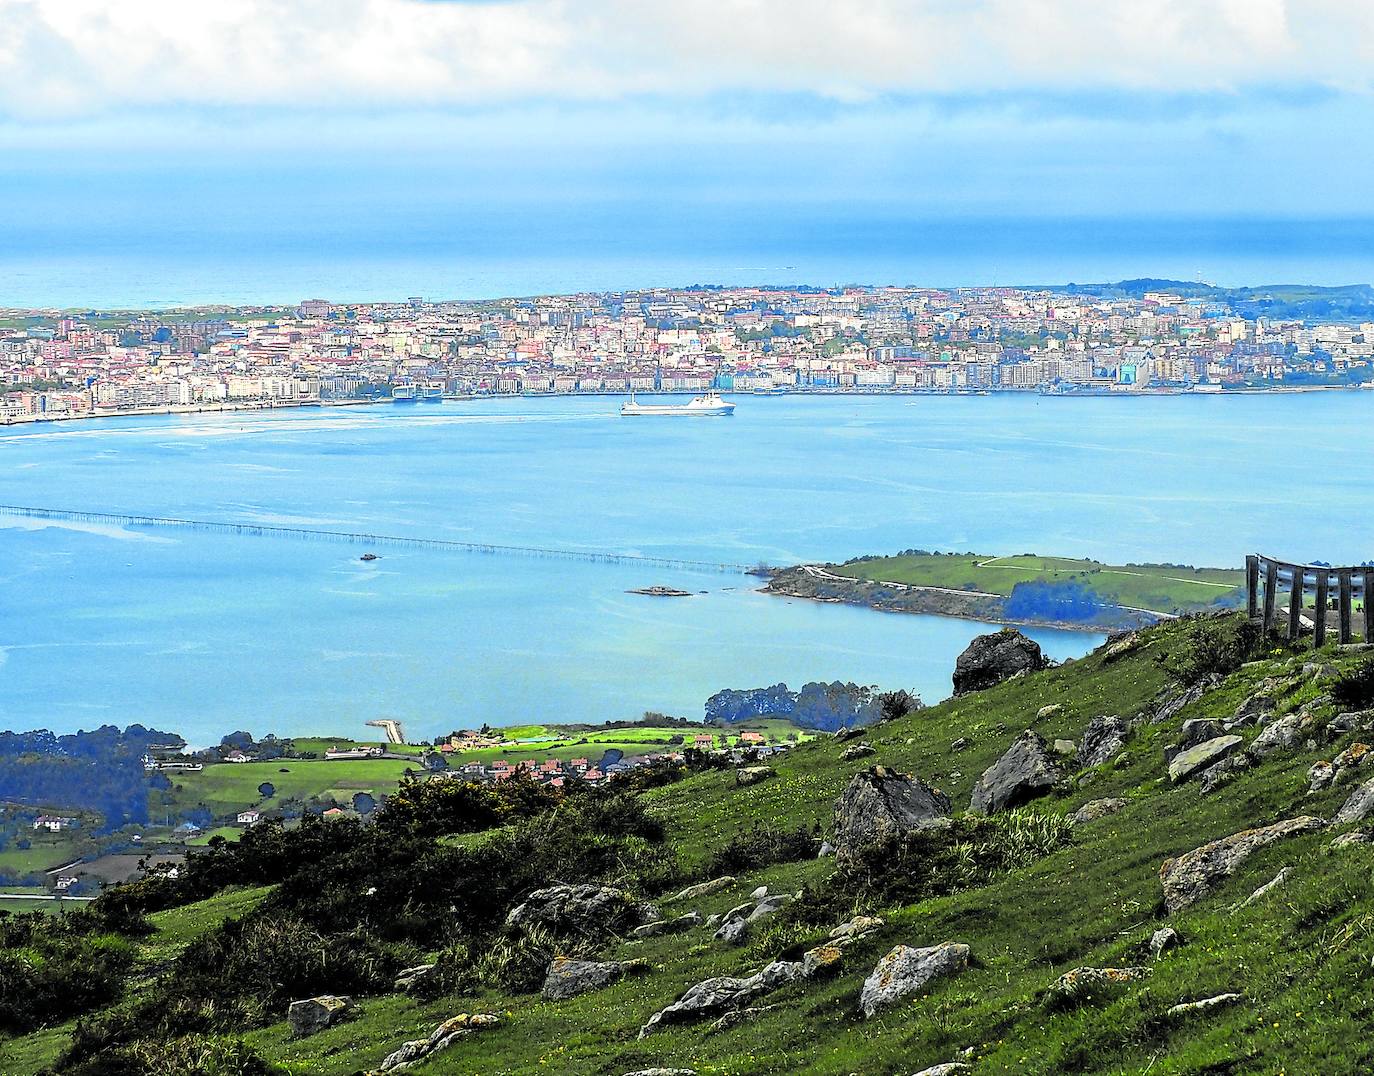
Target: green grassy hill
column 1031, row 898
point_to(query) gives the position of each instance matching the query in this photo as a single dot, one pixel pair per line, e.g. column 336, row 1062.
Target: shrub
column 762, row 846
column 56, row 967
column 1354, row 690
column 190, row 1055
column 1214, row 646
column 517, row 961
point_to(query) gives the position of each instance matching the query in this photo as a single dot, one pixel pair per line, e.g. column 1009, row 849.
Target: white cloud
column 63, row 58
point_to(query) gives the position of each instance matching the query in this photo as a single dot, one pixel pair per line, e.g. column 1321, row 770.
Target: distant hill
column 1308, row 302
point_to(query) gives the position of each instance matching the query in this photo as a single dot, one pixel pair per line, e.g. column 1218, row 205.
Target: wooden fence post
column 1295, row 602
column 1323, row 599
column 1343, row 603
column 1368, row 600
column 1271, row 581
column 1252, row 586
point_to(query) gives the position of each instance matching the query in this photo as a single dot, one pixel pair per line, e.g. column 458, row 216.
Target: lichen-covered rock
column 1189, row 1008
column 1090, row 984
column 1352, row 759
column 724, row 993
column 1281, row 735
column 1186, row 763
column 858, row 750
column 1196, row 731
column 880, row 805
column 991, row 659
column 1119, row 648
column 1358, row 806
column 1353, row 838
column 567, row 977
column 1272, row 884
column 590, row 911
column 313, row 1015
column 1095, row 809
column 1320, row 775
column 1213, row 777
column 1191, row 876
column 668, row 926
column 946, row 1068
column 1027, row 770
column 1065, row 748
column 905, row 971
column 1162, row 940
column 703, row 889
column 1103, row 739
column 1176, row 701
column 409, row 978
column 821, row 960
column 442, row 1037
column 752, row 775
column 861, row 926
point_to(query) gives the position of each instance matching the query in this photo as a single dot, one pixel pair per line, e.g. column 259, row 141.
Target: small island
column 661, row 592
column 1058, row 592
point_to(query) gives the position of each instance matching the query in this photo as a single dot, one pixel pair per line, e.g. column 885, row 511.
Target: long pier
column 378, row 541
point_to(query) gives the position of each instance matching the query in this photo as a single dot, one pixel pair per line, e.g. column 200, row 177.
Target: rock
column 739, row 1016
column 1272, row 884
column 905, row 971
column 663, row 1072
column 1193, row 732
column 1162, row 940
column 991, row 659
column 1191, row 876
column 703, row 889
column 1215, row 776
column 1174, row 702
column 1186, row 763
column 567, row 977
column 313, row 1015
column 724, row 993
column 1103, row 739
column 858, row 750
column 1086, row 984
column 1351, row 759
column 1354, row 837
column 1119, row 648
column 1188, row 1008
column 587, row 910
column 959, row 744
column 948, row 1068
column 822, row 960
column 826, row 849
column 732, row 931
column 1319, row 776
column 768, row 906
column 409, row 978
column 1065, row 748
column 880, row 805
column 1257, row 704
column 1095, row 809
column 668, row 926
column 1358, row 806
column 759, row 893
column 442, row 1037
column 1280, row 735
column 861, row 926
column 752, row 775
column 1048, row 711
column 1346, row 722
column 1026, row 771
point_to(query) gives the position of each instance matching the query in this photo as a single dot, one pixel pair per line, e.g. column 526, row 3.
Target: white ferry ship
column 708, row 404
column 403, row 393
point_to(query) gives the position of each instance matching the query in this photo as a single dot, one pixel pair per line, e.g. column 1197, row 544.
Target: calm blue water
column 205, row 632
column 71, row 250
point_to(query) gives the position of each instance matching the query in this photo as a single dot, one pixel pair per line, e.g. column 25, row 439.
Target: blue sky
column 274, row 115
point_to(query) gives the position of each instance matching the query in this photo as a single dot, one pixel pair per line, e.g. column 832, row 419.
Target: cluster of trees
column 825, row 707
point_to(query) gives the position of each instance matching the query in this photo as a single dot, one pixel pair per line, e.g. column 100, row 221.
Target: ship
column 430, row 392
column 708, row 404
column 403, row 393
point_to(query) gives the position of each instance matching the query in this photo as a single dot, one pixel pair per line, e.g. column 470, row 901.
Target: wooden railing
column 1274, row 584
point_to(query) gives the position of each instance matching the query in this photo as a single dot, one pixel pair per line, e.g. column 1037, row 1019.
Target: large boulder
column 589, row 911
column 441, row 1038
column 1358, row 806
column 1090, row 984
column 1186, row 763
column 879, row 805
column 1193, row 875
column 315, row 1014
column 990, row 659
column 905, row 971
column 1196, row 731
column 1095, row 809
column 1175, row 701
column 1026, row 771
column 703, row 889
column 724, row 993
column 1103, row 740
column 1282, row 735
column 568, row 977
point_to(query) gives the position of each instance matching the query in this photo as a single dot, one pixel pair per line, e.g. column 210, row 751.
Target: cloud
column 74, row 58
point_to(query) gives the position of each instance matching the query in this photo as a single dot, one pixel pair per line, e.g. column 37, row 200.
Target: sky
column 277, row 115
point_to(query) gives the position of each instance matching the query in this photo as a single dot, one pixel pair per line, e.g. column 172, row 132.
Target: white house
column 247, row 818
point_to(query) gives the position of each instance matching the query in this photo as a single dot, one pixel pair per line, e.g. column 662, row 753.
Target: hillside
column 1031, row 894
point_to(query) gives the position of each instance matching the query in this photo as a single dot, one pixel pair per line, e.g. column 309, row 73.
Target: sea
column 204, row 632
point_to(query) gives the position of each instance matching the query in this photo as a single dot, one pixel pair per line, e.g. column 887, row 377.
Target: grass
column 227, row 787
column 565, row 744
column 1301, row 957
column 47, row 849
column 1144, row 586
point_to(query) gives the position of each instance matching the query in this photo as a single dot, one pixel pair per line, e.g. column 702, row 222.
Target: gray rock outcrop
column 1103, row 739
column 442, row 1037
column 1186, row 763
column 313, row 1015
column 1176, row 701
column 1026, row 771
column 724, row 993
column 1086, row 984
column 1358, row 806
column 1095, row 809
column 568, row 977
column 991, row 659
column 880, row 805
column 905, row 971
column 752, row 775
column 1189, row 1008
column 703, row 889
column 1193, row 875
column 589, row 911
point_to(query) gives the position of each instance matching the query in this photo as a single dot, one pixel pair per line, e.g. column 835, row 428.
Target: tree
column 267, row 790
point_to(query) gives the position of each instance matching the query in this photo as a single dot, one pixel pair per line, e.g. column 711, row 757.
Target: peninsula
column 1059, row 592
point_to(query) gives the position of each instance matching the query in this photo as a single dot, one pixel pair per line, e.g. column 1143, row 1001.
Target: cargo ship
column 708, row 404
